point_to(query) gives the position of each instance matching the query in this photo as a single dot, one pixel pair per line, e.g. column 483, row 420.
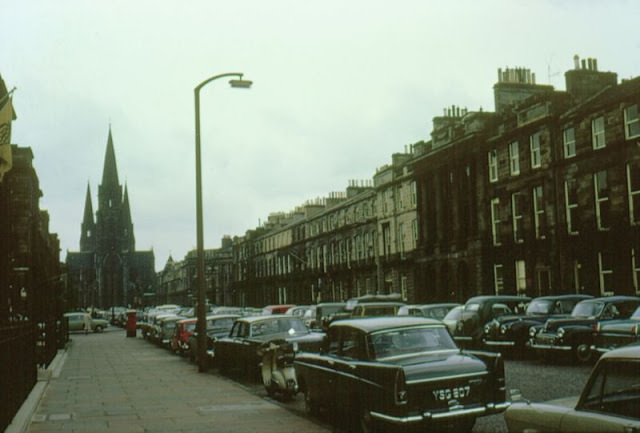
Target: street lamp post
column 201, row 326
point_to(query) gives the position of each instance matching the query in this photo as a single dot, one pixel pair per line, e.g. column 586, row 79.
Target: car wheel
column 310, row 406
column 98, row 329
column 583, row 353
column 367, row 424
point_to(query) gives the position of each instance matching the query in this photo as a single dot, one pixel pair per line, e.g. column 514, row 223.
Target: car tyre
column 98, row 329
column 367, row 424
column 583, row 353
column 310, row 405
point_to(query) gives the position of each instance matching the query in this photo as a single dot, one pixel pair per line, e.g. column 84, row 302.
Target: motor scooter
column 278, row 372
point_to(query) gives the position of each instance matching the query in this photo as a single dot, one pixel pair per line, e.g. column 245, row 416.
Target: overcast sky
column 338, row 87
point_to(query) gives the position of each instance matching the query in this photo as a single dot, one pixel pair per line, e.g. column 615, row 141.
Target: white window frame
column 514, row 158
column 538, row 211
column 635, row 271
column 600, row 200
column 492, row 157
column 495, row 221
column 414, row 194
column 598, row 133
column 634, row 214
column 498, row 279
column 631, row 124
column 569, row 143
column 414, row 232
column 403, row 287
column 602, row 276
column 401, row 248
column 517, row 217
column 535, row 147
column 568, row 208
column 521, row 276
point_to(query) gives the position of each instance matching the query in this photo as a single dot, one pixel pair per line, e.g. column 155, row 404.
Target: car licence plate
column 456, row 392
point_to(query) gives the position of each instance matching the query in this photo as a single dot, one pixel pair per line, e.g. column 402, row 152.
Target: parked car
column 319, row 316
column 480, row 310
column 298, row 310
column 218, row 326
column 512, row 330
column 616, row 333
column 453, row 316
column 166, row 327
column 574, row 335
column 180, row 338
column 385, row 372
column 365, row 305
column 375, row 309
column 276, row 309
column 610, row 401
column 76, row 322
column 430, row 311
column 239, row 350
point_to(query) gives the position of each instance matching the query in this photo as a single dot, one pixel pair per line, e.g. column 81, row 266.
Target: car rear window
column 410, row 340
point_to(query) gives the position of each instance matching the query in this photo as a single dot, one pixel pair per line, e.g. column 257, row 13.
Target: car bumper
column 542, row 346
column 428, row 416
column 502, row 343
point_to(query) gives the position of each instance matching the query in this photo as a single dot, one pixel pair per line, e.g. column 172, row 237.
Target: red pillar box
column 131, row 323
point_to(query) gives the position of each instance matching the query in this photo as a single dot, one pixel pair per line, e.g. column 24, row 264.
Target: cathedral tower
column 108, row 271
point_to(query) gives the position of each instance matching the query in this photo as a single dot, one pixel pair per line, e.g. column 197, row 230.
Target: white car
column 610, row 401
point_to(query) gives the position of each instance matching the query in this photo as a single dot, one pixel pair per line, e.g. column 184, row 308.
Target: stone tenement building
column 540, row 196
column 30, row 271
column 108, row 271
column 177, row 284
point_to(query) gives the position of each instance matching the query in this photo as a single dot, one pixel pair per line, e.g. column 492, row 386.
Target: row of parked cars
column 378, row 363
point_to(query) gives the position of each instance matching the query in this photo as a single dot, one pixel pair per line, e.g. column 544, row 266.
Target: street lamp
column 201, row 325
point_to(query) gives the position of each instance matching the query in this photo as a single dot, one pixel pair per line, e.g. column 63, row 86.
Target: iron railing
column 19, row 370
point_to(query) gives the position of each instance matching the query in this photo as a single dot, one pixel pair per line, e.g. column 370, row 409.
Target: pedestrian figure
column 87, row 323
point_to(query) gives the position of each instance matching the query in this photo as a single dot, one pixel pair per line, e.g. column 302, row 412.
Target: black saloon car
column 397, row 372
column 218, row 326
column 480, row 310
column 239, row 350
column 512, row 330
column 574, row 335
column 616, row 333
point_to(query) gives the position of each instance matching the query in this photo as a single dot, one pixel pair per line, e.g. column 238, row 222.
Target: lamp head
column 241, row 84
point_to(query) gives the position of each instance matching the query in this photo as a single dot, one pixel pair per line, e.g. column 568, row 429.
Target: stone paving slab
column 111, row 383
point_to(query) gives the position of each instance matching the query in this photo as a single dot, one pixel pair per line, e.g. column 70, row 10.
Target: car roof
column 379, row 304
column 631, row 351
column 499, row 298
column 253, row 319
column 619, row 298
column 438, row 305
column 565, row 296
column 372, row 324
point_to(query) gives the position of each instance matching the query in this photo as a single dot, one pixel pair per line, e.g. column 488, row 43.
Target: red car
column 180, row 338
column 276, row 309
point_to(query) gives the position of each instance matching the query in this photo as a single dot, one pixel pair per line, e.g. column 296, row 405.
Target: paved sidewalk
column 111, row 383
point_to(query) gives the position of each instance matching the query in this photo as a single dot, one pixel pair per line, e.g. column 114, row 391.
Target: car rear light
column 596, row 327
column 634, row 330
column 400, row 388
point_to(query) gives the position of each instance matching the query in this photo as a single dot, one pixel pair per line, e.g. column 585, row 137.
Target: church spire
column 127, row 224
column 88, row 224
column 110, row 171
